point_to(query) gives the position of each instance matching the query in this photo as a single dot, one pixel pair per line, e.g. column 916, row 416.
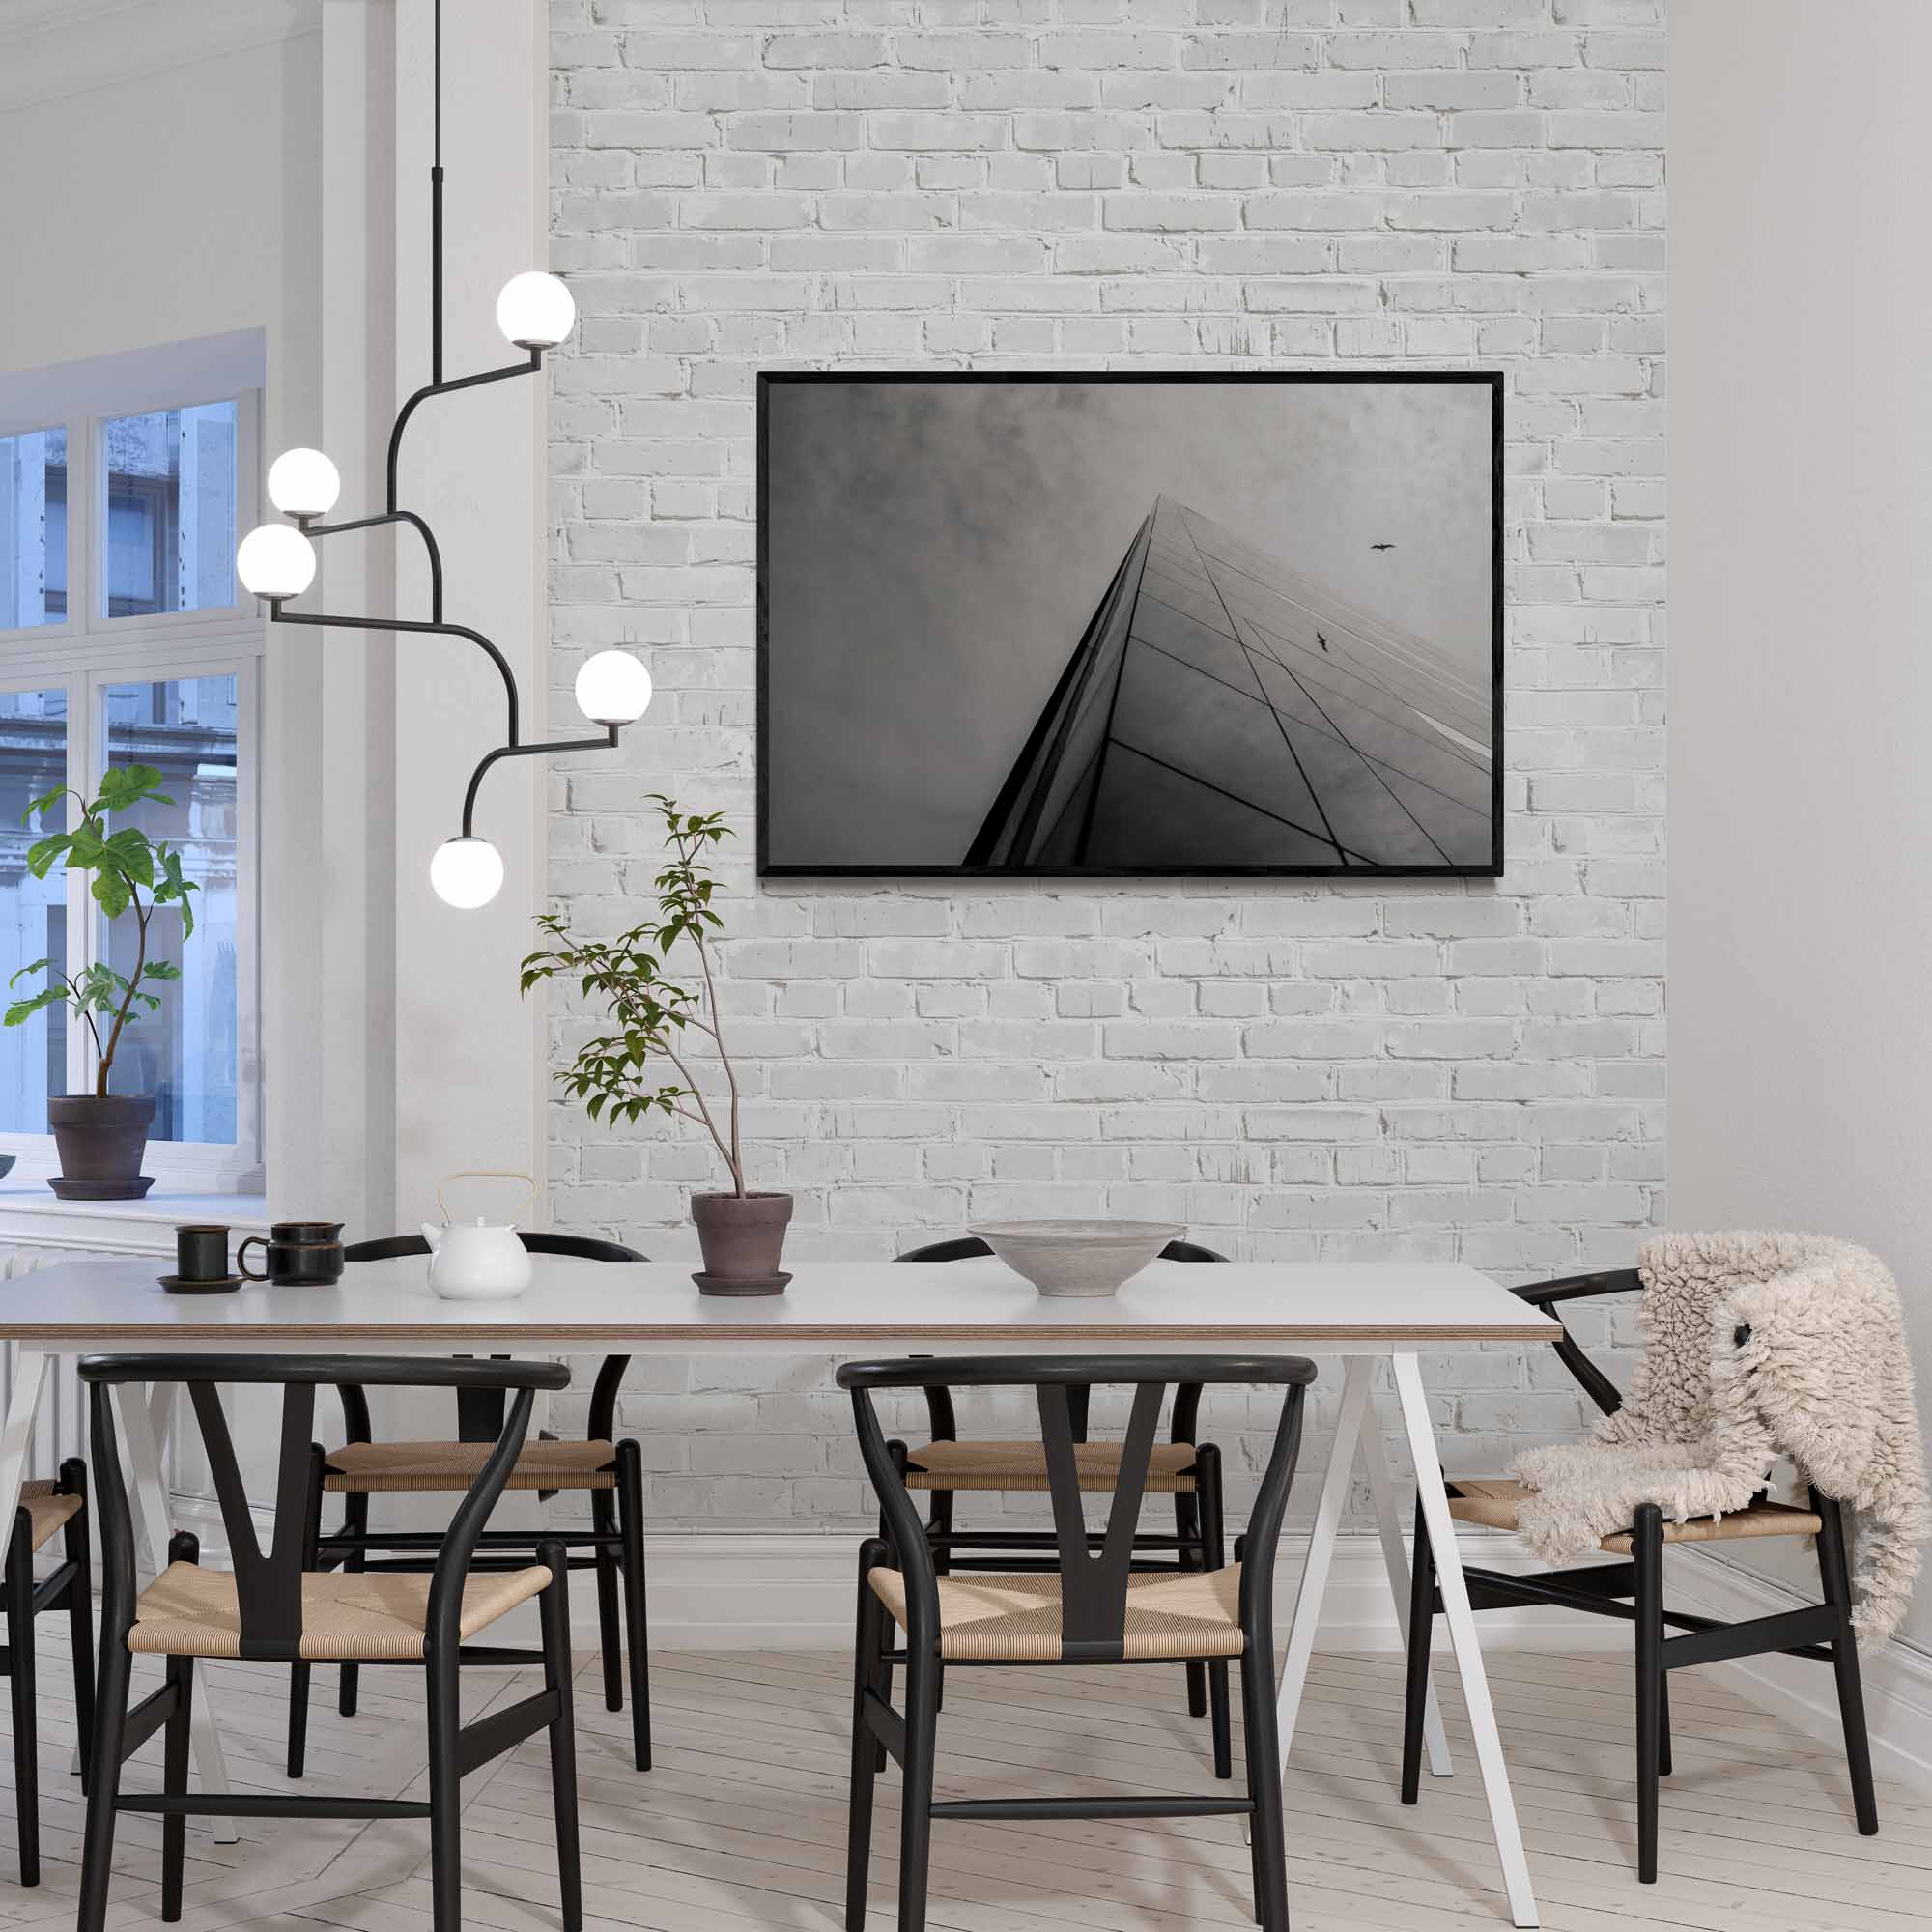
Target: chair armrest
column 1548, row 1296
column 1576, row 1287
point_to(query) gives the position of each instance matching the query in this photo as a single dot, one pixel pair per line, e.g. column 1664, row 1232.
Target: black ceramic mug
column 201, row 1253
column 295, row 1254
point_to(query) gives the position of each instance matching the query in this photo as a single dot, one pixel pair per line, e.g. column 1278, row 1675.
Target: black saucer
column 726, row 1284
column 223, row 1284
column 99, row 1190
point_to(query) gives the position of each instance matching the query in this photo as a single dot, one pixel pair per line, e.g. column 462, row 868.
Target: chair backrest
column 1092, row 1584
column 480, row 1412
column 970, row 1248
column 268, row 1583
column 578, row 1247
column 940, row 1413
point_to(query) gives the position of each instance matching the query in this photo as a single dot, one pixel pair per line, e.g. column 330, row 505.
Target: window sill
column 31, row 1217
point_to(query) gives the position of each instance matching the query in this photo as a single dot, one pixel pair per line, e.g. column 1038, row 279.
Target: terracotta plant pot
column 743, row 1239
column 101, row 1140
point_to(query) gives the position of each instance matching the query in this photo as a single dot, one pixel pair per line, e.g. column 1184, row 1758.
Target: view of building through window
column 170, row 510
column 33, row 912
column 33, row 528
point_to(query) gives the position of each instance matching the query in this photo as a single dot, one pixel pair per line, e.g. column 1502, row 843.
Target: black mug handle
column 241, row 1263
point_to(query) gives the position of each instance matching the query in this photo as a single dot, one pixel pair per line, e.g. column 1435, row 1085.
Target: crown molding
column 51, row 49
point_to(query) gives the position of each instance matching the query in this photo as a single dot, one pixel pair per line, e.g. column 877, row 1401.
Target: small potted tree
column 661, row 1024
column 103, row 1137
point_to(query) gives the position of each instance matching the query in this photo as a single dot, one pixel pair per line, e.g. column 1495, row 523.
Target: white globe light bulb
column 614, row 688
column 303, row 483
column 535, row 310
column 277, row 561
column 467, row 873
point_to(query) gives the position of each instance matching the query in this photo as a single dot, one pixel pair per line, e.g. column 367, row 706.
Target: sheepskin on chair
column 1756, row 1345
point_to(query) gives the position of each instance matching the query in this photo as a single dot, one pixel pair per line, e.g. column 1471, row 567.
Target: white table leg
column 145, row 1423
column 1463, row 1635
column 1334, row 1500
column 17, row 1438
column 1395, row 1555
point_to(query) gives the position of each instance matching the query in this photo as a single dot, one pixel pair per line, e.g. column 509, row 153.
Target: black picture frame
column 1490, row 867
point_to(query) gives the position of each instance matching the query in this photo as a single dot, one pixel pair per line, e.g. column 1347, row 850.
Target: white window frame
column 86, row 651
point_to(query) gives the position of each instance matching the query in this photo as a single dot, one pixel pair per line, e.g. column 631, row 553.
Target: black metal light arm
column 442, row 389
column 515, row 751
column 311, row 529
column 413, row 625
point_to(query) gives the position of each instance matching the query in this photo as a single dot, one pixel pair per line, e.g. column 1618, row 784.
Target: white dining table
column 1363, row 1312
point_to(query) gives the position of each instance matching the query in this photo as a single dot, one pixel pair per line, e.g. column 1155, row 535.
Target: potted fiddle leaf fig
column 663, row 1027
column 102, row 1136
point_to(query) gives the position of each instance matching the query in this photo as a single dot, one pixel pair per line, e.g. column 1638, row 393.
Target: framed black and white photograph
column 1051, row 625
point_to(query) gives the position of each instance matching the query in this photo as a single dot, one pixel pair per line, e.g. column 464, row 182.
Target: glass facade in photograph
column 1222, row 707
column 185, row 1054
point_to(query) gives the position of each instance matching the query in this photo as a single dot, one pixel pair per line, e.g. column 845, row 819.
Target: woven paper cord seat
column 188, row 1612
column 1492, row 1500
column 376, row 1468
column 1022, row 1466
column 47, row 1509
column 1015, row 1619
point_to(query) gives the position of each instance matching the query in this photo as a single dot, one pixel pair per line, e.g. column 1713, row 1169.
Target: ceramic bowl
column 1077, row 1257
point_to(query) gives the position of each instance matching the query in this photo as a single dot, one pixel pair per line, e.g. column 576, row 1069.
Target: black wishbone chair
column 272, row 1608
column 1183, row 1466
column 1822, row 1631
column 47, row 1509
column 1096, row 1607
column 612, row 1472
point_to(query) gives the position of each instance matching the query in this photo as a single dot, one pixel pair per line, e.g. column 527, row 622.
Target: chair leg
column 1833, row 1573
column 1421, row 1631
column 299, row 1673
column 80, row 1610
column 110, row 1730
column 921, row 1723
column 939, row 1524
column 1663, row 1764
column 610, row 1631
column 354, row 1522
column 1214, row 1556
column 1187, row 1533
column 1647, row 1549
column 868, row 1755
column 174, row 1781
column 446, row 1796
column 553, row 1611
column 1264, row 1753
column 19, row 1594
column 637, row 1631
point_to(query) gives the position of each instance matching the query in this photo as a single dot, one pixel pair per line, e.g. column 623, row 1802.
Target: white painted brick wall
column 1294, row 1069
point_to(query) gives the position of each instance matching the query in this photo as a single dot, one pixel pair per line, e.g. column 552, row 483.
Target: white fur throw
column 1823, row 1377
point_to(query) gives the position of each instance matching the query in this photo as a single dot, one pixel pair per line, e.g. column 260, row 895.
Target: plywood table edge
column 152, row 1335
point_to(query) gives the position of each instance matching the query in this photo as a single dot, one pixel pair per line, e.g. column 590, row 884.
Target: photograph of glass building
column 1064, row 624
column 1223, row 708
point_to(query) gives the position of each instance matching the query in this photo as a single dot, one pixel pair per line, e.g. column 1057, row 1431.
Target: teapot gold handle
column 488, row 1174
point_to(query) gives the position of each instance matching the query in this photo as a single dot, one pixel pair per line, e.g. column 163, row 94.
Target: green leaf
column 125, row 786
column 131, row 853
column 39, row 806
column 38, row 966
column 112, row 892
column 160, row 969
column 40, row 855
column 25, row 1009
column 85, row 848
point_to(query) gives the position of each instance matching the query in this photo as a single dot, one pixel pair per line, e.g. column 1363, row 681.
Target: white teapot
column 477, row 1260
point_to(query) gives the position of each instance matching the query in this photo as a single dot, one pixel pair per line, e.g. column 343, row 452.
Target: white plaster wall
column 1800, row 792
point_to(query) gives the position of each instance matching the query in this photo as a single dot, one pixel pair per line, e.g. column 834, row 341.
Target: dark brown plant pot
column 101, row 1140
column 743, row 1239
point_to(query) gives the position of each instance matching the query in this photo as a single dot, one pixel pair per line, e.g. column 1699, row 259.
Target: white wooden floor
column 741, row 1825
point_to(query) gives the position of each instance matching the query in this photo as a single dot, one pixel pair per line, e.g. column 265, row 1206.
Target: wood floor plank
column 741, row 1826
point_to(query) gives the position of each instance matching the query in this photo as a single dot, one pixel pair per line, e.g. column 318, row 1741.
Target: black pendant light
column 277, row 561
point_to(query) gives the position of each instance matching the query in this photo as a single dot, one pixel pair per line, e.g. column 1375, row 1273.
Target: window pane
column 171, row 510
column 185, row 1054
column 33, row 528
column 33, row 912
